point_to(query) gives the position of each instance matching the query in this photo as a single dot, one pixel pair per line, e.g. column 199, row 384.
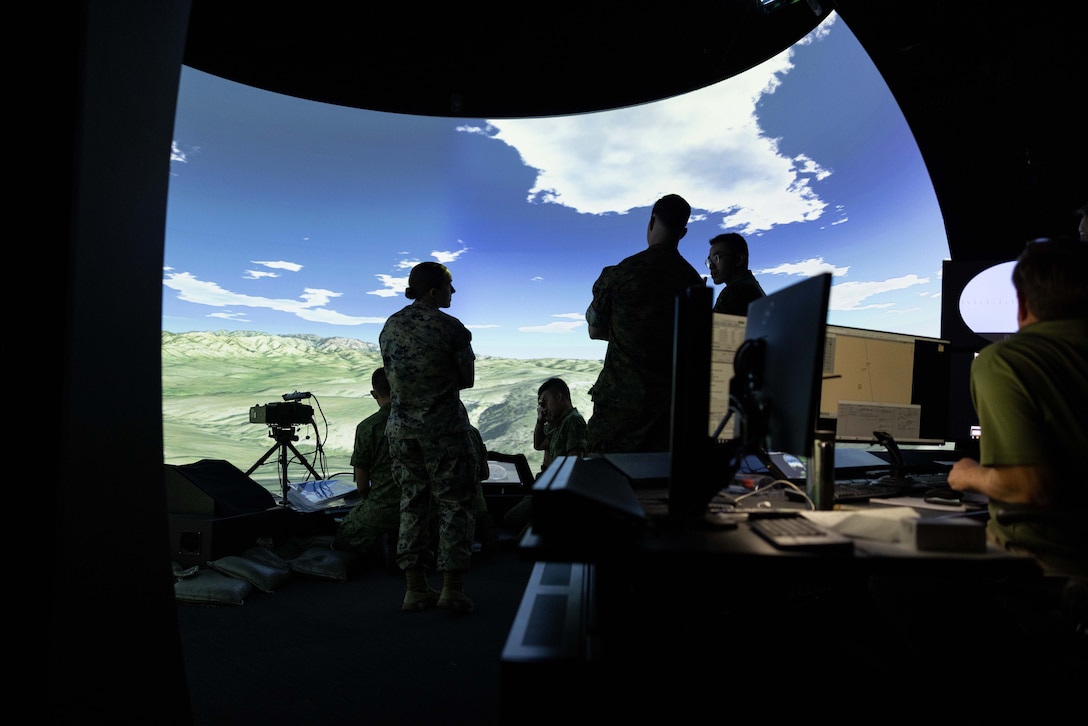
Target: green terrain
column 211, row 380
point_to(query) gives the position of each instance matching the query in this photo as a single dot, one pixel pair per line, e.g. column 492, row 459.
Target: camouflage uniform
column 433, row 452
column 379, row 512
column 483, row 471
column 568, row 434
column 635, row 301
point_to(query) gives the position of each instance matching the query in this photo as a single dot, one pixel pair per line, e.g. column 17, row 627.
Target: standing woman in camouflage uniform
column 428, row 358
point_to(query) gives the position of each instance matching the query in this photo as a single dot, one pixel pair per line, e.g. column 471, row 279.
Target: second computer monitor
column 790, row 327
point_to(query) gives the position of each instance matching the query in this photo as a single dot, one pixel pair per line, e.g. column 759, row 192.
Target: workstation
column 653, row 563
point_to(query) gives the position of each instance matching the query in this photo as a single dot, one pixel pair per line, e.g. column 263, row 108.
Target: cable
column 771, row 485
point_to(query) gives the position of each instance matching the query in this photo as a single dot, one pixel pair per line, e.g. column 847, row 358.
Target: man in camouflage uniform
column 379, row 510
column 560, row 431
column 633, row 308
column 428, row 358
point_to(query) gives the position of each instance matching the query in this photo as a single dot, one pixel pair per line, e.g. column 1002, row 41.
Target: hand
column 962, row 473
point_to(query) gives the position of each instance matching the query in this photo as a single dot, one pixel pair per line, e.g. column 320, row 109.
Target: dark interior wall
column 993, row 92
column 115, row 654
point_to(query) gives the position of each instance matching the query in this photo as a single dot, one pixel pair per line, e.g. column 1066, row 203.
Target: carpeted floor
column 323, row 652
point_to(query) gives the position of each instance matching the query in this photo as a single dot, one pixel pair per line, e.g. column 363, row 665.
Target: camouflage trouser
column 613, row 430
column 364, row 524
column 438, row 481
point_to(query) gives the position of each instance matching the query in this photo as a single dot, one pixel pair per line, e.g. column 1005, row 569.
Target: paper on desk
column 880, row 524
column 917, row 503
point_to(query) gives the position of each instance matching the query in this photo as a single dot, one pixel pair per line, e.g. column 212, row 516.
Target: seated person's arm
column 1031, row 485
column 362, row 481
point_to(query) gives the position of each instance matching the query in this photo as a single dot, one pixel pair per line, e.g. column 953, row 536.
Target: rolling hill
column 211, row 380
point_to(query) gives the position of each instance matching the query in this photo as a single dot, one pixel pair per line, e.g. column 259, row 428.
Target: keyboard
column 861, row 490
column 790, row 531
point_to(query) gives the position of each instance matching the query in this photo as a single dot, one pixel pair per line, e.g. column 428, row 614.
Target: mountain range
column 212, row 380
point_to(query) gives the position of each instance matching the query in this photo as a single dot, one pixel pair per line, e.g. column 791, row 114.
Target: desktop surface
column 623, row 523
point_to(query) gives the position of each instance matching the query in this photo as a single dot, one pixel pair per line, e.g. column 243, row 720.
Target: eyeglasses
column 715, row 258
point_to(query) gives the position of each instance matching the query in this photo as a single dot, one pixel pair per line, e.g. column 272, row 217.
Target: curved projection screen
column 299, row 221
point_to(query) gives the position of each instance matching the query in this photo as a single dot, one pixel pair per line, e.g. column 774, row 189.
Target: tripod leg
column 305, row 463
column 262, row 459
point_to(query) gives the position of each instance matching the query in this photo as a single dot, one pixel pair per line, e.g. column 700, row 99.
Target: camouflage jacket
column 635, row 301
column 422, row 350
column 371, row 452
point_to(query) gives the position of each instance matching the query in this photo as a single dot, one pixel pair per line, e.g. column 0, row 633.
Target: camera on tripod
column 291, row 413
column 283, row 420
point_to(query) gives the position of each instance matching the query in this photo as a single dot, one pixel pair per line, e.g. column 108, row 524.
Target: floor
column 324, row 652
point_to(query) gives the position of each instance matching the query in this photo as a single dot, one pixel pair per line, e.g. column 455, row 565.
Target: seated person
column 379, row 510
column 560, row 431
column 1031, row 393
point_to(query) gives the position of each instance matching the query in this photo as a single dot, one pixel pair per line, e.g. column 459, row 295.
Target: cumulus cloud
column 852, row 296
column 599, row 163
column 394, row 286
column 311, row 306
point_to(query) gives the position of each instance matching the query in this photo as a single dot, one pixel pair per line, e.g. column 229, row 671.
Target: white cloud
column 176, row 154
column 573, row 322
column 600, row 163
column 851, row 296
column 257, row 274
column 393, row 286
column 279, row 265
column 556, row 327
column 804, row 268
column 311, row 307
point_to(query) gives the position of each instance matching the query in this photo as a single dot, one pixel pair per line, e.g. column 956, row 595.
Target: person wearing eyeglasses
column 728, row 264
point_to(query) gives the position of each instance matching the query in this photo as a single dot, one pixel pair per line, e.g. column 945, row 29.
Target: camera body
column 282, row 414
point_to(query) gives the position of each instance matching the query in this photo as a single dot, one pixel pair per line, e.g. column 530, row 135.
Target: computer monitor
column 778, row 370
column 880, row 381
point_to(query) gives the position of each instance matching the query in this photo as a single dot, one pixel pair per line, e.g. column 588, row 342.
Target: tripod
column 284, row 436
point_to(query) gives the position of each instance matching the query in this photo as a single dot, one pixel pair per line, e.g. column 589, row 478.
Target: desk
column 696, row 609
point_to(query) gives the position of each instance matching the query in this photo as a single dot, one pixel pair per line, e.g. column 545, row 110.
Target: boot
column 453, row 597
column 419, row 595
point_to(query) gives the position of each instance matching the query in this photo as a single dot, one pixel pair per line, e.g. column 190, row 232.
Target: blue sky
column 290, row 216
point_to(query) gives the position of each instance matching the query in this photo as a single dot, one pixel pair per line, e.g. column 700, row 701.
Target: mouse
column 944, row 495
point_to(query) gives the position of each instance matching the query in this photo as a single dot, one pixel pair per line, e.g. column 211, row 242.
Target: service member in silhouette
column 633, row 307
column 428, row 358
column 379, row 510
